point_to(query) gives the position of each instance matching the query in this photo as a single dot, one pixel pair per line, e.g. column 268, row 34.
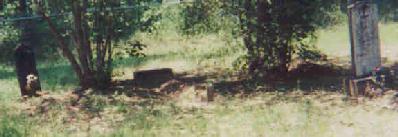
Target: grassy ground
column 294, row 113
column 335, row 41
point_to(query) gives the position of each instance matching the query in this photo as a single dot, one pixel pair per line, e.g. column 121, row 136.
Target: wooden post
column 364, row 33
column 353, row 88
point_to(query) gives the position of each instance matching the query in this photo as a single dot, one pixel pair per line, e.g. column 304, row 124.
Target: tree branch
column 62, row 46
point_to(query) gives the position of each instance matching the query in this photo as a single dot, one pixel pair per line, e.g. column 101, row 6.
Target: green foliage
column 10, row 33
column 13, row 125
column 201, row 17
column 162, row 20
column 8, row 40
column 9, row 130
column 309, row 53
column 131, row 48
column 96, row 29
column 273, row 31
column 44, row 45
column 105, row 27
column 388, row 10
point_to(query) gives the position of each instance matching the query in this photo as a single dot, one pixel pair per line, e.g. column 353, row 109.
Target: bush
column 273, row 32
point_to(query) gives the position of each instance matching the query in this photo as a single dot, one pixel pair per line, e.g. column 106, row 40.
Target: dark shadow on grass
column 7, row 74
column 150, row 89
column 59, row 75
column 307, row 78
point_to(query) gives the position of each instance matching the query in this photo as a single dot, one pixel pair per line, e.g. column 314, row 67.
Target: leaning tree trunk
column 63, row 47
column 92, row 72
column 82, row 43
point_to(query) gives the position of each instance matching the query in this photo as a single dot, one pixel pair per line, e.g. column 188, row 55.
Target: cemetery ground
column 309, row 105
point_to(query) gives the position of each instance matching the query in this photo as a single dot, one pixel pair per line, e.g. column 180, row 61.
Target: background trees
column 91, row 32
column 388, row 10
column 273, row 32
column 93, row 29
column 88, row 33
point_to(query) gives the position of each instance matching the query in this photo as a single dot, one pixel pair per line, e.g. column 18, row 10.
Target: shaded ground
column 309, row 103
column 304, row 105
column 305, row 77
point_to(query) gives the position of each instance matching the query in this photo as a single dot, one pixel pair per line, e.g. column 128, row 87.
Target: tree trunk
column 82, row 42
column 65, row 50
column 284, row 58
column 92, row 71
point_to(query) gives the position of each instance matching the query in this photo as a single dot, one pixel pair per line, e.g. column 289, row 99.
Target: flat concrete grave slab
column 153, row 78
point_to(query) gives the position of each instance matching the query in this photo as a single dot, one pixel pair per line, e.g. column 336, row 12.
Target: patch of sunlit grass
column 335, row 41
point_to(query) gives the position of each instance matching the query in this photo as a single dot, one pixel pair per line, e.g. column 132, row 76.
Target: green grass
column 263, row 114
column 335, row 41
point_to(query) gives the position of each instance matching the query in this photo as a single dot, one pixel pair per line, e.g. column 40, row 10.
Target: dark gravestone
column 28, row 76
column 153, row 78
